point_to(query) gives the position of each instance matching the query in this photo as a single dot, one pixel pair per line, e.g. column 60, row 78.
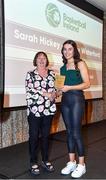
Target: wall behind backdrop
column 14, row 127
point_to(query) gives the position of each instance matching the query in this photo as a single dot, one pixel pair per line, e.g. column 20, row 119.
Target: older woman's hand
column 50, row 95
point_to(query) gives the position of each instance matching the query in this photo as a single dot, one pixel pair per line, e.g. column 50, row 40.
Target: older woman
column 41, row 107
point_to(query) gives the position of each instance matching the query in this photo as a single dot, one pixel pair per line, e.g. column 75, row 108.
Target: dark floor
column 14, row 160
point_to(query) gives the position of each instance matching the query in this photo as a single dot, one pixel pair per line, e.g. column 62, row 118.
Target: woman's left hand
column 52, row 96
column 65, row 88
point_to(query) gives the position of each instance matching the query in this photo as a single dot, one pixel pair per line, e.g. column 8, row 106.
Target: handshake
column 53, row 95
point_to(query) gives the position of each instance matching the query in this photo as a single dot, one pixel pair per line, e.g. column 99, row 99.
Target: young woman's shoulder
column 82, row 64
column 63, row 67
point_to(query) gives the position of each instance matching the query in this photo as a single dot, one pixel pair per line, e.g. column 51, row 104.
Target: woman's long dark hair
column 76, row 55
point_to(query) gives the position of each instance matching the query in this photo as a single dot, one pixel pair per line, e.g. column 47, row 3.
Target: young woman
column 72, row 106
column 41, row 107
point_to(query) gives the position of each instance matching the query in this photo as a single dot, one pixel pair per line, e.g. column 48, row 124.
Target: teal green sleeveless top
column 72, row 76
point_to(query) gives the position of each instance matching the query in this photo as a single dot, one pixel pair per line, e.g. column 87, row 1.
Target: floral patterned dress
column 35, row 86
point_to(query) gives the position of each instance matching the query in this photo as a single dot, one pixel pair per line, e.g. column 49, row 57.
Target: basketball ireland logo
column 52, row 15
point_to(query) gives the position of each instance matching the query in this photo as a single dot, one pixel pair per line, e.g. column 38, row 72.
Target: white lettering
column 25, row 37
column 49, row 42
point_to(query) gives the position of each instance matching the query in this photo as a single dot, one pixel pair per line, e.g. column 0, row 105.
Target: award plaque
column 59, row 81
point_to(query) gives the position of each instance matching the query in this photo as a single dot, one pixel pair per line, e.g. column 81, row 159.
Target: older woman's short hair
column 36, row 56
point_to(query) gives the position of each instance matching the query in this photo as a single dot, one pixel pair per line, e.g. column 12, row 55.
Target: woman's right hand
column 50, row 95
column 58, row 93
